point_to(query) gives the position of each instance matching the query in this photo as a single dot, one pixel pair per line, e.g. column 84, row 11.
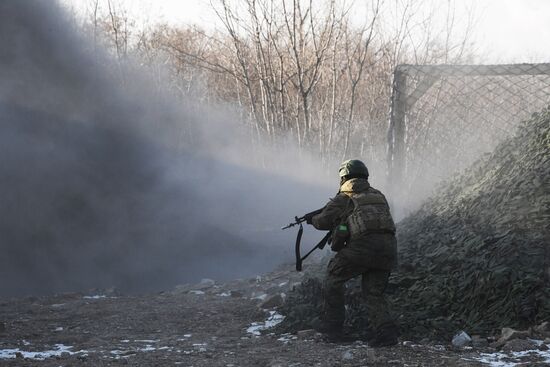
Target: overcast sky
column 507, row 31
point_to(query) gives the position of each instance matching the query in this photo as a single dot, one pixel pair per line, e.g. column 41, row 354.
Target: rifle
column 320, row 245
column 298, row 220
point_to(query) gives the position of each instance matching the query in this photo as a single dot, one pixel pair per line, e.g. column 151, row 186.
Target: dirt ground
column 194, row 325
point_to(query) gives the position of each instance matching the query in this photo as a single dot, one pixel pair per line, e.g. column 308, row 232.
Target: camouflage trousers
column 373, row 285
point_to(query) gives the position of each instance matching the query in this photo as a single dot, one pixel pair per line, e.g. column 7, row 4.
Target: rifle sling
column 319, row 245
column 297, row 248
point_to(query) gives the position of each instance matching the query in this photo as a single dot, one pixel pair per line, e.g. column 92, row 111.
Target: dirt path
column 203, row 325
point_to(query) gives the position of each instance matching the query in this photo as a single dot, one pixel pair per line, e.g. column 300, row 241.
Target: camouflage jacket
column 375, row 249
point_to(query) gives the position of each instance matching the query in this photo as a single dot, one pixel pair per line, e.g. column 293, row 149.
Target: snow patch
column 196, row 292
column 287, row 338
column 273, row 319
column 224, row 294
column 261, row 296
column 200, row 347
column 97, row 296
column 40, row 356
column 512, row 359
column 147, row 348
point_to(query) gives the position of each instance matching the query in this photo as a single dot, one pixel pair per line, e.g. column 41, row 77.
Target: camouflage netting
column 476, row 256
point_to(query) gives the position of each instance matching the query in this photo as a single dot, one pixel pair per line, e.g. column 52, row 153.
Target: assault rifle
column 320, row 245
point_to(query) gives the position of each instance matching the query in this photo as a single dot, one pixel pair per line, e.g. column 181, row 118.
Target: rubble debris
column 542, row 329
column 508, row 334
column 205, row 284
column 272, row 301
column 307, row 334
column 518, row 345
column 474, row 256
column 347, row 355
column 257, row 327
column 461, row 339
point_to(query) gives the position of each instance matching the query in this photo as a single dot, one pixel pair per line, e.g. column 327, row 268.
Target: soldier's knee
column 332, row 284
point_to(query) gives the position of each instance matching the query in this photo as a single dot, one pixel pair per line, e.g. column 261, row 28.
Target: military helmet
column 353, row 167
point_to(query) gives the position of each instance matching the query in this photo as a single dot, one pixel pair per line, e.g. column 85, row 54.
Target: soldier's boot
column 326, row 327
column 333, row 331
column 368, row 335
column 385, row 336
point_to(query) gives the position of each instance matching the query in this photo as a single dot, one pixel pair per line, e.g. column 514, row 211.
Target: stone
column 373, row 358
column 2, row 327
column 508, row 334
column 347, row 355
column 204, row 284
column 236, row 294
column 272, row 301
column 543, row 329
column 181, row 289
column 543, row 347
column 306, row 334
column 461, row 339
column 518, row 345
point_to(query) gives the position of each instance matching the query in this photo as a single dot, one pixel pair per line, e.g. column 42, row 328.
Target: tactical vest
column 371, row 214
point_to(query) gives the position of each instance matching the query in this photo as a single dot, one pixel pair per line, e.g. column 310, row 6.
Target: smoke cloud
column 104, row 185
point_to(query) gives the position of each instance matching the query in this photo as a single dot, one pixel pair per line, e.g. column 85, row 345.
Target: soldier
column 360, row 213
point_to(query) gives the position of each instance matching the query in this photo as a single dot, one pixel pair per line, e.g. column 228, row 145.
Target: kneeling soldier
column 364, row 239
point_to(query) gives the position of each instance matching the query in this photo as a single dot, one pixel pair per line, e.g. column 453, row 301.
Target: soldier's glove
column 309, row 219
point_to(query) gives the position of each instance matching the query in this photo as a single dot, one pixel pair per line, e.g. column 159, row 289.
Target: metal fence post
column 397, row 132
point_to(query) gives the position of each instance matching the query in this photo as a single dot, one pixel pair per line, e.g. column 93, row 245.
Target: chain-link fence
column 444, row 117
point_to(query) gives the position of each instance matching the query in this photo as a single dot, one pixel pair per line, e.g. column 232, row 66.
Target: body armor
column 371, row 214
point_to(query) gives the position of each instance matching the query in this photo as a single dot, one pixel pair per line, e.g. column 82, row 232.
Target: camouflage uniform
column 371, row 251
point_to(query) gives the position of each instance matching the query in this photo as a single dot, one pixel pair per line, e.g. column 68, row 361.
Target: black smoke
column 101, row 185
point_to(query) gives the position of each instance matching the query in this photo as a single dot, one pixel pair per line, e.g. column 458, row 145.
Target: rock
column 2, row 327
column 374, row 359
column 461, row 339
column 306, row 334
column 543, row 329
column 347, row 355
column 547, row 341
column 508, row 334
column 204, row 284
column 518, row 345
column 543, row 347
column 479, row 342
column 236, row 294
column 181, row 289
column 278, row 363
column 272, row 301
